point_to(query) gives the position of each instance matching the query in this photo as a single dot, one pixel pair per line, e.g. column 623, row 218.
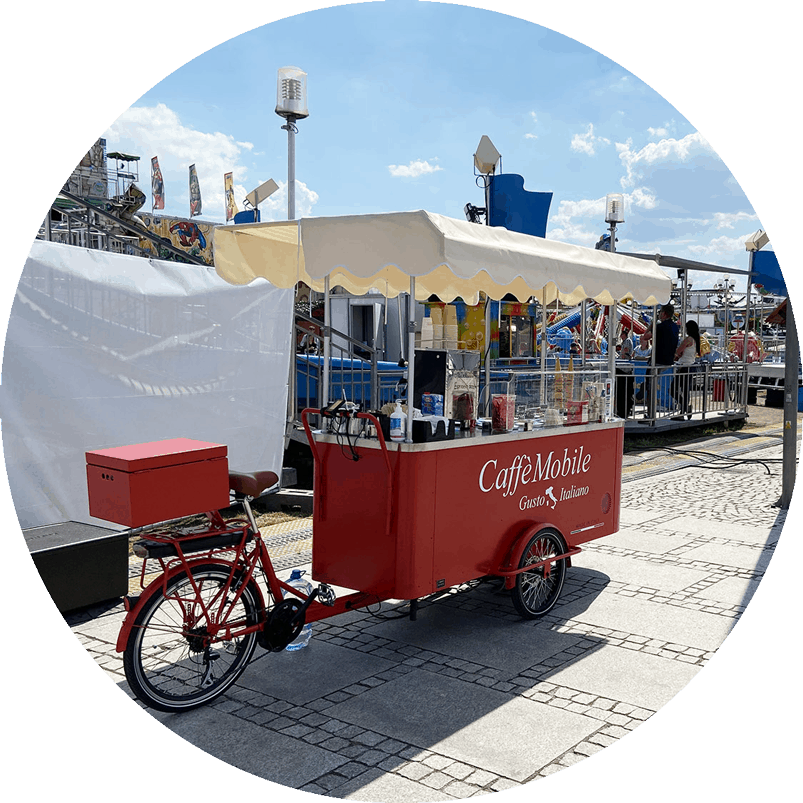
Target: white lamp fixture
column 615, row 208
column 291, row 93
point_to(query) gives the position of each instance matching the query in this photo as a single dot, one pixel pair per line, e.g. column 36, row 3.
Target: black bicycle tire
column 523, row 592
column 137, row 675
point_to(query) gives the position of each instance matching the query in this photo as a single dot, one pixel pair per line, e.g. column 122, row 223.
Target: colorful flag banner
column 157, row 185
column 195, row 193
column 231, row 204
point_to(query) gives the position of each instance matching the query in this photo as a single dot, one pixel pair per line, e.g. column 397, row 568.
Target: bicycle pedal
column 326, row 595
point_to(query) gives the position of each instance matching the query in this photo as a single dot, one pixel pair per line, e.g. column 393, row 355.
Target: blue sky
column 399, row 95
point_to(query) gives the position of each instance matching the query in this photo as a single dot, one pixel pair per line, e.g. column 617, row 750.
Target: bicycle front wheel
column 175, row 659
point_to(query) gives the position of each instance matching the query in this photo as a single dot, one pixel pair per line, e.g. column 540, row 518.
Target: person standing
column 666, row 343
column 685, row 356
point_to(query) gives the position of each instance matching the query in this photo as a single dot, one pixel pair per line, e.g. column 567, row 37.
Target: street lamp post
column 291, row 103
column 614, row 213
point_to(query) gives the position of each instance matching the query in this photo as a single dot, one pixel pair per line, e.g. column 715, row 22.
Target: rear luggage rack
column 146, row 548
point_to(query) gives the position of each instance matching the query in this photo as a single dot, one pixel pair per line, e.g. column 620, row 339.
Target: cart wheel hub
column 197, row 639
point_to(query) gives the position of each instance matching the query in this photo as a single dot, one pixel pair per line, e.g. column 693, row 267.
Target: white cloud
column 666, row 150
column 587, row 143
column 534, row 118
column 158, row 131
column 642, row 198
column 729, row 250
column 725, row 220
column 415, row 169
column 657, row 132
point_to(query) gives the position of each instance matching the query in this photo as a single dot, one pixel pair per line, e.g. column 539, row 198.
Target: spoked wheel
column 175, row 659
column 537, row 591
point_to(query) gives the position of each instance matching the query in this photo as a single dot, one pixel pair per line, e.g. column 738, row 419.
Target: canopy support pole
column 410, row 359
column 583, row 335
column 746, row 341
column 487, row 407
column 544, row 403
column 612, row 310
column 327, row 342
column 652, row 405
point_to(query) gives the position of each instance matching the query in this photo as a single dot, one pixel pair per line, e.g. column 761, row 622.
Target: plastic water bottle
column 297, row 581
column 397, row 419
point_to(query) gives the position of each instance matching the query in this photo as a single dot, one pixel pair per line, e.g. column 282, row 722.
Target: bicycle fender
column 156, row 586
column 519, row 544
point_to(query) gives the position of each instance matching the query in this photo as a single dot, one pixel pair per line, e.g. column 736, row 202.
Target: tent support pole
column 410, row 359
column 327, row 342
column 583, row 335
column 612, row 310
column 746, row 342
column 487, row 409
column 544, row 403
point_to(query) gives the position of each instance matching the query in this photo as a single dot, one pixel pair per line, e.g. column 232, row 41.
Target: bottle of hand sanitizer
column 397, row 423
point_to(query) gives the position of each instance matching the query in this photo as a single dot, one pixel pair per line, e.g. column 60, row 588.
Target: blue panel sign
column 767, row 273
column 515, row 208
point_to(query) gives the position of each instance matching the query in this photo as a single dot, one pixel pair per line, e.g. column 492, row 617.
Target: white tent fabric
column 447, row 257
column 106, row 350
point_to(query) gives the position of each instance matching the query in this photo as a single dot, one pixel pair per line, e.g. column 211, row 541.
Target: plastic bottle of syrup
column 397, row 421
column 297, row 581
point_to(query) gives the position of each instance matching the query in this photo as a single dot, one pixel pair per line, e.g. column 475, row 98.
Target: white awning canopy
column 448, row 258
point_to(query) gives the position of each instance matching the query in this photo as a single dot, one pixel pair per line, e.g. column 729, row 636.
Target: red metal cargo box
column 457, row 507
column 147, row 483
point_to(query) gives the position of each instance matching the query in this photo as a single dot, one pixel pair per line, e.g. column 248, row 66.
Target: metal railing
column 704, row 391
column 356, row 373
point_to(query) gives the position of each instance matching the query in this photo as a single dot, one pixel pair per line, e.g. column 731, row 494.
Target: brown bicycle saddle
column 253, row 483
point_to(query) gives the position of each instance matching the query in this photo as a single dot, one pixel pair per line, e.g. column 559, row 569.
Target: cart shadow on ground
column 762, row 563
column 461, row 681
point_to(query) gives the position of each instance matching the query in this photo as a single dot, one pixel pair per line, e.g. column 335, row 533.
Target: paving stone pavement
column 470, row 699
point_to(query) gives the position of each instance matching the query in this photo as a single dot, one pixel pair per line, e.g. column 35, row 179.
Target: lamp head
column 615, row 208
column 291, row 93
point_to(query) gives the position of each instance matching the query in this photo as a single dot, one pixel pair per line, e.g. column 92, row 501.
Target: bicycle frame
column 250, row 554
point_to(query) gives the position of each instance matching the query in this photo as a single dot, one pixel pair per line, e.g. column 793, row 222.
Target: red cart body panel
column 458, row 508
column 146, row 483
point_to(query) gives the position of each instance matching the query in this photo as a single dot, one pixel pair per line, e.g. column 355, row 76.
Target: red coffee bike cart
column 392, row 520
column 435, row 515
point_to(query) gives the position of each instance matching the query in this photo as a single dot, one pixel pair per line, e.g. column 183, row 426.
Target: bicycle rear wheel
column 173, row 661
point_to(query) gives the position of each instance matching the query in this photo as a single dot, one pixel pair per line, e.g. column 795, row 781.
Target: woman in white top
column 685, row 355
